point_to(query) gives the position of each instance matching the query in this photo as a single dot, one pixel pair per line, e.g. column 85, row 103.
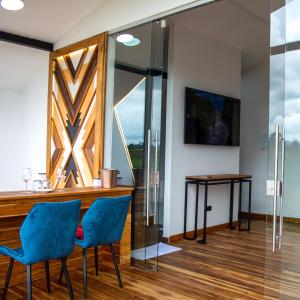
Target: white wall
column 197, row 61
column 23, row 129
column 35, row 97
column 114, row 14
column 254, row 133
column 12, row 156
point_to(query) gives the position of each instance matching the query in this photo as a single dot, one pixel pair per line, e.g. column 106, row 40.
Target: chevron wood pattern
column 76, row 112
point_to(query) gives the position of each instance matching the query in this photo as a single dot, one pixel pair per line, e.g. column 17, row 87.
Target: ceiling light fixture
column 133, row 42
column 12, row 4
column 125, row 38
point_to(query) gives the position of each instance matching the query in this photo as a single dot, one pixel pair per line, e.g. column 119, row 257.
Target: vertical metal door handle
column 275, row 190
column 281, row 190
column 155, row 174
column 148, row 178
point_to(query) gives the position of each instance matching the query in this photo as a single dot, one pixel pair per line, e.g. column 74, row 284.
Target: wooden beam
column 25, row 41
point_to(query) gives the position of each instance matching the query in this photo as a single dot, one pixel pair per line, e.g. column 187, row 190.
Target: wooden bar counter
column 14, row 206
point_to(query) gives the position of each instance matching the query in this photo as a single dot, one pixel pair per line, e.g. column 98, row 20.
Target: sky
column 285, row 72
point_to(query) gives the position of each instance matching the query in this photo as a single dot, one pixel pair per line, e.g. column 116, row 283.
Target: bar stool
column 102, row 224
column 48, row 232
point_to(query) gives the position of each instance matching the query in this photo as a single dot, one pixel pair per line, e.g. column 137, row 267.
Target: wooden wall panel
column 77, row 80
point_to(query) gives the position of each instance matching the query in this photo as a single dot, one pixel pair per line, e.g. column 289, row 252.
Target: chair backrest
column 104, row 221
column 49, row 231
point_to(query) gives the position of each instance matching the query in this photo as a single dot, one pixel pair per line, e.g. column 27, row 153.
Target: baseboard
column 267, row 217
column 254, row 216
column 190, row 234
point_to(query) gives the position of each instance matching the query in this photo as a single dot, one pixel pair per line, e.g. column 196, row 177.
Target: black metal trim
column 285, row 48
column 25, row 41
column 140, row 71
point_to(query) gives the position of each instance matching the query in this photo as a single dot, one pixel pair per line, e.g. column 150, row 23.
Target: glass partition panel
column 138, row 132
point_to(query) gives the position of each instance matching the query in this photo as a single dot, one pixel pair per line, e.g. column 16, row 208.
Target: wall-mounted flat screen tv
column 211, row 119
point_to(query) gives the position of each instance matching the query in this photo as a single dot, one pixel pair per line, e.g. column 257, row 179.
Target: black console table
column 206, row 180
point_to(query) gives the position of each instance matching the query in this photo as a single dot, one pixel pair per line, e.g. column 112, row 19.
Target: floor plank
column 232, row 265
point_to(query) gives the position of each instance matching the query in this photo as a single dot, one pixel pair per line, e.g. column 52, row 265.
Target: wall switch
column 271, row 188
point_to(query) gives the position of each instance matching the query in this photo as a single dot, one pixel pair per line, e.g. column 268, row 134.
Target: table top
column 63, row 193
column 218, row 177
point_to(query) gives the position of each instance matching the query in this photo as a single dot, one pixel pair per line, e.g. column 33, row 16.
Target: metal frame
column 206, row 183
column 25, row 41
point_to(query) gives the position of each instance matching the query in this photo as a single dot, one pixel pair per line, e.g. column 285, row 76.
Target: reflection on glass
column 292, row 135
column 277, row 91
column 292, row 21
column 292, row 102
column 130, row 116
column 277, row 28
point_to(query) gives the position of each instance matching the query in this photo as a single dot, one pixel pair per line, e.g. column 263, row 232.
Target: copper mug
column 109, row 178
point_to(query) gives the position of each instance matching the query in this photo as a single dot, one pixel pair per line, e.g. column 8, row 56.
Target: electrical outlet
column 271, row 188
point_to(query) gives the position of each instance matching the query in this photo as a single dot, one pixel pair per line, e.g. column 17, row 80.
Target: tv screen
column 211, row 119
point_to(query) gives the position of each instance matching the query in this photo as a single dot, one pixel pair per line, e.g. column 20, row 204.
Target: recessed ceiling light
column 133, row 42
column 124, row 38
column 12, row 4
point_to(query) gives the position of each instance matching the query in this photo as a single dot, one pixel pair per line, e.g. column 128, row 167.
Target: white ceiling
column 46, row 20
column 242, row 24
column 18, row 64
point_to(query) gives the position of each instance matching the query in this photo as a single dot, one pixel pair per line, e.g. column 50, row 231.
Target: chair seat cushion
column 79, row 233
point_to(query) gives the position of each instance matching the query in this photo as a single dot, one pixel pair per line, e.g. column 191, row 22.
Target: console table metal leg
column 185, row 209
column 203, row 241
column 231, row 204
column 249, row 207
column 196, row 211
column 240, row 203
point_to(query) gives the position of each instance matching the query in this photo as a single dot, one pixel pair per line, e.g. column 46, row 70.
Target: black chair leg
column 8, row 274
column 84, row 272
column 96, row 260
column 116, row 265
column 29, row 290
column 67, row 277
column 47, row 270
column 61, row 275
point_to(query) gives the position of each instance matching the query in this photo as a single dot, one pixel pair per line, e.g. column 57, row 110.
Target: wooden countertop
column 18, row 203
column 218, row 177
column 63, row 193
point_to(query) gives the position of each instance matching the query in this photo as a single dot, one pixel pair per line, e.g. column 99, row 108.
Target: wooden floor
column 232, row 265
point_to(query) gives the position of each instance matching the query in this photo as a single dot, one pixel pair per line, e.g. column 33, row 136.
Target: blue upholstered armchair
column 48, row 232
column 103, row 224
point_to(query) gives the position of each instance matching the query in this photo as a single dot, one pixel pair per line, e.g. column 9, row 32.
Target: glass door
column 138, row 131
column 283, row 186
column 284, row 123
column 276, row 125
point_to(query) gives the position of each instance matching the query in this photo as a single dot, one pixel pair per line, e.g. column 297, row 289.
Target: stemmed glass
column 26, row 175
column 60, row 175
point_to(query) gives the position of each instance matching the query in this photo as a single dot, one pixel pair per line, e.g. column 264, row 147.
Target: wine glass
column 26, row 175
column 60, row 175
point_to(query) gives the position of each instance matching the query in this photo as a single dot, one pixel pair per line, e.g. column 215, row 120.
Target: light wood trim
column 100, row 109
column 267, row 217
column 49, row 114
column 6, row 196
column 190, row 234
column 218, row 177
column 97, row 39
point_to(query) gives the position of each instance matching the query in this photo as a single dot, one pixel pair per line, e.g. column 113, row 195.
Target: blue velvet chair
column 48, row 232
column 103, row 224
